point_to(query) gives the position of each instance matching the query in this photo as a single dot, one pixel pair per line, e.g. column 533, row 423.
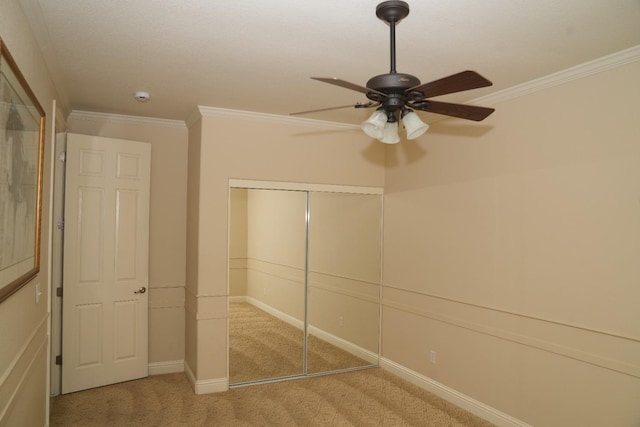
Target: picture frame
column 22, row 125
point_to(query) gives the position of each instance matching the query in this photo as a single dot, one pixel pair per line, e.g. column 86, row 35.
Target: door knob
column 142, row 290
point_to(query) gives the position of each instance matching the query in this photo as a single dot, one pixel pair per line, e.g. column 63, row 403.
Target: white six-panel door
column 104, row 315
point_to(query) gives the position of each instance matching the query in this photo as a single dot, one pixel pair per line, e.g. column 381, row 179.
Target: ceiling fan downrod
column 393, row 84
column 392, row 12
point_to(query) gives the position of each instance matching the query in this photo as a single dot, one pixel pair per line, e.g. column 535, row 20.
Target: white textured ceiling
column 258, row 55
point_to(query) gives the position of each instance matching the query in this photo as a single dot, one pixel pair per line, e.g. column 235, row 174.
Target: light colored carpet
column 370, row 397
column 262, row 347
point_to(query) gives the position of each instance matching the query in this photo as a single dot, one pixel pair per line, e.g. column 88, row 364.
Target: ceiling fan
column 397, row 95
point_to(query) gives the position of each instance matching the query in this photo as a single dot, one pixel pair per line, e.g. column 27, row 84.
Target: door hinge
column 59, row 360
column 59, row 292
column 62, row 156
column 60, row 224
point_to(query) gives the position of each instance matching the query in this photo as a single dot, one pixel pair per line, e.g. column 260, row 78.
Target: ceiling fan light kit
column 390, row 133
column 397, row 95
column 374, row 125
column 413, row 125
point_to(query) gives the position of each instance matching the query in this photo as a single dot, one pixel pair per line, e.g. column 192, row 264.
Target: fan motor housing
column 394, row 86
column 393, row 82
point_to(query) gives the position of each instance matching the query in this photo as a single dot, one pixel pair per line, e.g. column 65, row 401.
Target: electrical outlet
column 341, row 320
column 433, row 357
column 264, row 290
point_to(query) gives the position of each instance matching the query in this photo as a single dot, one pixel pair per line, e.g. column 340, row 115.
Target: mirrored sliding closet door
column 266, row 284
column 343, row 281
column 304, row 282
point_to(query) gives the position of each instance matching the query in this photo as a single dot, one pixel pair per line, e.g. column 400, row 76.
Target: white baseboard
column 169, row 367
column 206, row 386
column 463, row 401
column 345, row 345
column 240, row 298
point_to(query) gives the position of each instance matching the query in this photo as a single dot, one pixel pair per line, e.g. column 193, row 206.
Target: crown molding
column 579, row 71
column 596, row 66
column 124, row 119
column 203, row 111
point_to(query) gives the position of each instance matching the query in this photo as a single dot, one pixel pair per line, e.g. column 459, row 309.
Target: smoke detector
column 141, row 96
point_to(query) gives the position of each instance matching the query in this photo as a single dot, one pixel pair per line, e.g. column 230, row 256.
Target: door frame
column 56, row 258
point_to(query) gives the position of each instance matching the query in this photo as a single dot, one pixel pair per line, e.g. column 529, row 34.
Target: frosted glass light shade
column 413, row 125
column 390, row 133
column 375, row 124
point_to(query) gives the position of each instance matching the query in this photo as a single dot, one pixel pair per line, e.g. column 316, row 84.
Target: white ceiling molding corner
column 193, row 117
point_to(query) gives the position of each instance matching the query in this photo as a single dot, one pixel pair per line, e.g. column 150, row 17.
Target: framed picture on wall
column 22, row 122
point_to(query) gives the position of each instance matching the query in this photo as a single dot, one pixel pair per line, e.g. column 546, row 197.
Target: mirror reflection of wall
column 272, row 301
column 267, row 284
column 343, row 280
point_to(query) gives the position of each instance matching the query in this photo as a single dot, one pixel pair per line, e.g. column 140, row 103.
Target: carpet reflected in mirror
column 262, row 346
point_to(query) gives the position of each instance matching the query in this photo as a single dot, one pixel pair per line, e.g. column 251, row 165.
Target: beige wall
column 236, row 147
column 23, row 323
column 511, row 249
column 167, row 221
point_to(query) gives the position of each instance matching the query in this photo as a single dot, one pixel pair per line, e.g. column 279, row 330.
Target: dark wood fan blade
column 357, row 105
column 469, row 112
column 343, row 83
column 465, row 80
